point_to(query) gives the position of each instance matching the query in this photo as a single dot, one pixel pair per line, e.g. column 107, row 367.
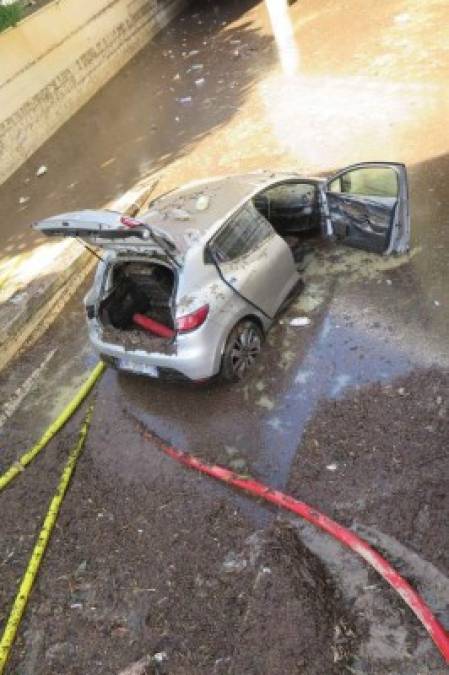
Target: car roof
column 176, row 213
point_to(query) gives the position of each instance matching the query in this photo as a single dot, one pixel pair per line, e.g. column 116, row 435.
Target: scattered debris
column 17, row 298
column 24, row 200
column 192, row 235
column 180, row 214
column 238, row 465
column 108, row 162
column 265, row 402
column 138, row 668
column 60, row 651
column 235, row 562
column 202, row 203
column 160, row 657
column 80, row 570
column 300, row 321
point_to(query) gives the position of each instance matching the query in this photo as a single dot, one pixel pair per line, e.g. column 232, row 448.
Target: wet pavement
column 305, row 89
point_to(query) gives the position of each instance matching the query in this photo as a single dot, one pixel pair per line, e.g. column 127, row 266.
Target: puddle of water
column 340, row 357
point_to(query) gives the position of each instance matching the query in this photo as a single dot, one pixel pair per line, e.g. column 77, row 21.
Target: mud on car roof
column 181, row 213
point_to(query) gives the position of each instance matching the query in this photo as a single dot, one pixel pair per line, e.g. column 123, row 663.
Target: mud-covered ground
column 171, row 569
column 384, row 450
column 378, row 461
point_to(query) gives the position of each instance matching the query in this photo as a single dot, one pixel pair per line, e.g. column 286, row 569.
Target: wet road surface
column 313, row 93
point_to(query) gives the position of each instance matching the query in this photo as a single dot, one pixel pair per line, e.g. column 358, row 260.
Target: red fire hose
column 435, row 629
column 153, row 326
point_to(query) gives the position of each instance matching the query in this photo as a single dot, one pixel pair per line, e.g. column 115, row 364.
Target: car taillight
column 130, row 222
column 189, row 322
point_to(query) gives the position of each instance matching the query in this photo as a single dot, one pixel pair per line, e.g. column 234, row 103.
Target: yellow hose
column 28, row 578
column 53, row 429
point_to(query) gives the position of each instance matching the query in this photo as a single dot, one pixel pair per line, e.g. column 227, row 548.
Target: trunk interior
column 137, row 287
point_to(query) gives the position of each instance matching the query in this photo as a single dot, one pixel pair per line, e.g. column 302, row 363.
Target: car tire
column 242, row 348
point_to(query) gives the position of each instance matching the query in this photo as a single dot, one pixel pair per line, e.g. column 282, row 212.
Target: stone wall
column 53, row 61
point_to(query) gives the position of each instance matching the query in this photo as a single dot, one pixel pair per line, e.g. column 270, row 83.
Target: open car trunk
column 137, row 288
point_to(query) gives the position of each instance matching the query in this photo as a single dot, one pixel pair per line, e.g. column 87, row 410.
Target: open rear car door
column 367, row 206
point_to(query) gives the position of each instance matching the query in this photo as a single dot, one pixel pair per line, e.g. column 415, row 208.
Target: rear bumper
column 194, row 356
column 166, row 374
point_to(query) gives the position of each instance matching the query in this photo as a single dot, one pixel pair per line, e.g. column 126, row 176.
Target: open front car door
column 368, row 207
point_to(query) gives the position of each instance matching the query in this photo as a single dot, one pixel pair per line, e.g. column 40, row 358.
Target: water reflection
column 284, row 35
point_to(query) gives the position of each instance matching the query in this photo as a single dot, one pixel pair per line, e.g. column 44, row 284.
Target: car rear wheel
column 242, row 349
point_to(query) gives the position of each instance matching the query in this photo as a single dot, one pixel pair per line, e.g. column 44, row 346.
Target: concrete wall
column 57, row 58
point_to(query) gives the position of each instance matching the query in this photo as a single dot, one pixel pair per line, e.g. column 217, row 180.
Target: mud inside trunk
column 137, row 288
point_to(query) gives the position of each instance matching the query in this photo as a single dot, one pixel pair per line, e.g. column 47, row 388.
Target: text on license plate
column 144, row 369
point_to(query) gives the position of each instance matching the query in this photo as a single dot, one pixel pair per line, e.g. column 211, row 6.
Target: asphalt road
column 309, row 90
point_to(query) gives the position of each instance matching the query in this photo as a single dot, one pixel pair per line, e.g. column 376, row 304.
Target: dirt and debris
column 301, row 321
column 165, row 561
column 198, row 591
column 389, row 443
column 376, row 460
column 135, row 339
column 292, row 608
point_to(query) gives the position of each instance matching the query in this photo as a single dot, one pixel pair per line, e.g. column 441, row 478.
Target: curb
column 27, row 314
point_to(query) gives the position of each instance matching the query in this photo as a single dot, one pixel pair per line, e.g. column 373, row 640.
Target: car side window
column 368, row 182
column 244, row 233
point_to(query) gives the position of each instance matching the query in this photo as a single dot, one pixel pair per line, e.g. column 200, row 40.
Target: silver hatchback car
column 190, row 288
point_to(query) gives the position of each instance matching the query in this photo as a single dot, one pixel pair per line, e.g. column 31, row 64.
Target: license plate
column 143, row 369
